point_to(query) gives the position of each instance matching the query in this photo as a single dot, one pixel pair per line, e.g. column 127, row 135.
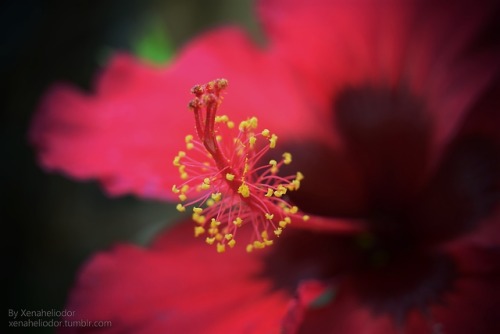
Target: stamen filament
column 232, row 189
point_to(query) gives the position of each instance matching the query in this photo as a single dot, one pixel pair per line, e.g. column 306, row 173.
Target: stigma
column 227, row 184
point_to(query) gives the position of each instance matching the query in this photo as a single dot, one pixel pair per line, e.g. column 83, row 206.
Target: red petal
column 346, row 315
column 469, row 305
column 462, row 194
column 473, row 306
column 488, row 232
column 178, row 286
column 484, row 117
column 445, row 53
column 127, row 132
column 333, row 185
column 307, row 292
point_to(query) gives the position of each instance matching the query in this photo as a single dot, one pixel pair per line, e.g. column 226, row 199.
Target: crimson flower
column 391, row 112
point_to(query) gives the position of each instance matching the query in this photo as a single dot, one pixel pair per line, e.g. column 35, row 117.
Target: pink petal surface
column 127, row 131
column 307, row 292
column 430, row 48
column 345, row 315
column 473, row 303
column 469, row 305
column 180, row 285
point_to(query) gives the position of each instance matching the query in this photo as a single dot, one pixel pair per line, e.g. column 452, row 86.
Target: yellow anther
column 238, row 221
column 268, row 242
column 198, row 230
column 200, row 219
column 249, row 248
column 272, row 141
column 305, row 218
column 184, row 188
column 243, row 125
column 205, row 186
column 210, row 202
column 269, row 192
column 221, row 248
column 197, row 210
column 274, row 168
column 175, row 190
column 282, row 189
column 286, row 221
column 294, row 185
column 180, row 207
column 184, row 176
column 229, row 177
column 181, row 154
column 216, row 196
column 299, row 176
column 278, row 231
column 294, row 209
column 231, row 243
column 259, row 245
column 264, row 235
column 278, row 193
column 252, row 140
column 265, row 133
column 269, row 216
column 221, row 119
column 206, row 180
column 249, row 124
column 210, row 241
column 230, row 124
column 177, row 161
column 219, row 237
column 228, row 236
column 182, row 197
column 253, row 123
column 214, row 223
column 243, row 190
column 188, row 139
column 213, row 231
column 218, row 138
column 287, row 158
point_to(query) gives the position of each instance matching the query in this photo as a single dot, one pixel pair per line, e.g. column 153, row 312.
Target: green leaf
column 153, row 43
column 324, row 299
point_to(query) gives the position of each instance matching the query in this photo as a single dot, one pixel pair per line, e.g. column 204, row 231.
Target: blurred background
column 51, row 223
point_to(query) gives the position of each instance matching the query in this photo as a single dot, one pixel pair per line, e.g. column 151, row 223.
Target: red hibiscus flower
column 391, row 111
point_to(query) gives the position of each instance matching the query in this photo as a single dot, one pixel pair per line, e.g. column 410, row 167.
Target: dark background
column 51, row 224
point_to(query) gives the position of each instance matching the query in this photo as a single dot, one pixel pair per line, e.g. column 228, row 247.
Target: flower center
column 224, row 180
